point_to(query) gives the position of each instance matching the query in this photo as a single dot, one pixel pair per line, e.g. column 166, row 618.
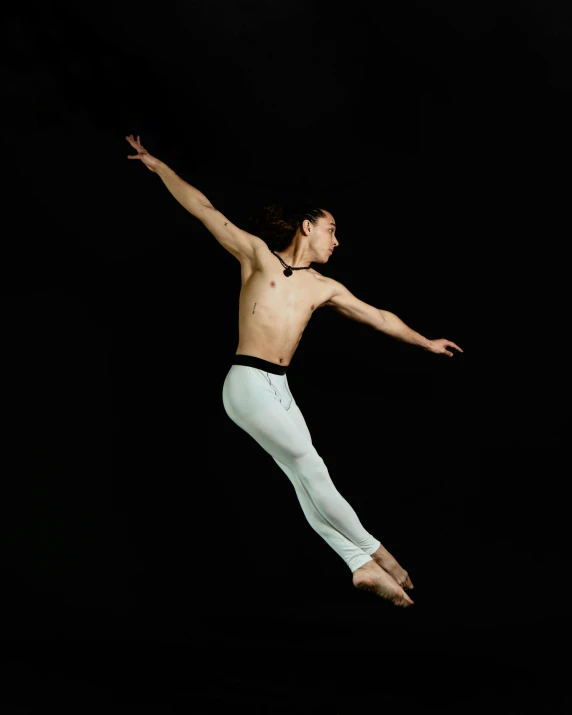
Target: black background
column 153, row 554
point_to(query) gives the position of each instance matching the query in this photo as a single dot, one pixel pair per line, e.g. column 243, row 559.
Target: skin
column 274, row 311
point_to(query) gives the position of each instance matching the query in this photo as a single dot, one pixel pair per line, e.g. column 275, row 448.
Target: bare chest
column 298, row 294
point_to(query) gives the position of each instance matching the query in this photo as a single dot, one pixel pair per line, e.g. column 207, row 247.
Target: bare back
column 274, row 309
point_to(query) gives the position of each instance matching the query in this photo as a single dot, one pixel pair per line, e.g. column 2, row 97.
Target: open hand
column 440, row 347
column 150, row 161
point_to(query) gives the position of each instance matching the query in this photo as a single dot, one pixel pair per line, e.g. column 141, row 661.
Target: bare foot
column 371, row 577
column 389, row 563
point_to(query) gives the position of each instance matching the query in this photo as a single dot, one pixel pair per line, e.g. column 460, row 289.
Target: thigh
column 253, row 404
column 297, row 418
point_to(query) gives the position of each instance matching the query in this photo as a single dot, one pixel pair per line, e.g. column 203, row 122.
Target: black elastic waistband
column 260, row 364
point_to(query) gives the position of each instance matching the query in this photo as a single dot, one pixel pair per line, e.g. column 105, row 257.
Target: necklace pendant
column 288, row 272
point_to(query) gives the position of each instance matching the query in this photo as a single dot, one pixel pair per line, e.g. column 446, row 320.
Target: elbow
column 204, row 210
column 381, row 319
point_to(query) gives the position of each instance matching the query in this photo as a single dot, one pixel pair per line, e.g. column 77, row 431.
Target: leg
column 368, row 573
column 353, row 555
column 375, row 549
column 259, row 406
column 341, row 544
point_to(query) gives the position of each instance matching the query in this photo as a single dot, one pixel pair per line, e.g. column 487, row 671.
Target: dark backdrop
column 152, row 552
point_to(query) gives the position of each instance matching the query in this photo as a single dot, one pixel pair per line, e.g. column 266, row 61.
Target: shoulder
column 329, row 288
column 319, row 276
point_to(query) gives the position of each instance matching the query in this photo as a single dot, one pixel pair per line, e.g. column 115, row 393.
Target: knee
column 308, row 459
column 312, row 471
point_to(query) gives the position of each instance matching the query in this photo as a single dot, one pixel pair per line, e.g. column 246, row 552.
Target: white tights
column 262, row 405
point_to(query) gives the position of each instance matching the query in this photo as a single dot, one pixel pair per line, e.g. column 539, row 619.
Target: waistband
column 260, row 364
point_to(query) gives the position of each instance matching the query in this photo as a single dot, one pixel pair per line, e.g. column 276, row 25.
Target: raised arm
column 237, row 241
column 347, row 304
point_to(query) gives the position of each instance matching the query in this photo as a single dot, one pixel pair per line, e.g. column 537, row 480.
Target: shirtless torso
column 274, row 309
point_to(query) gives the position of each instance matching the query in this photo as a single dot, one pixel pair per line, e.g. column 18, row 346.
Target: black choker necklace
column 288, row 269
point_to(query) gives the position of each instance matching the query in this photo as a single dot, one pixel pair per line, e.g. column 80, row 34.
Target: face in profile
column 323, row 237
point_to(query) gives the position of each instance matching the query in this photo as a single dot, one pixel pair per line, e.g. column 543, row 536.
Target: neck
column 295, row 256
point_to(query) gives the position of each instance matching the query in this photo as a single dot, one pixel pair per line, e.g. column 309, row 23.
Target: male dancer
column 280, row 291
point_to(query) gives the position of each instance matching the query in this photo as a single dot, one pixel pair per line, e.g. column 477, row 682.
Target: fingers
column 135, row 143
column 452, row 345
column 137, row 146
column 449, row 344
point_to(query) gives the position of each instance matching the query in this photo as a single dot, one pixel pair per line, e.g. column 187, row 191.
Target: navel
column 273, row 284
column 312, row 307
column 280, row 359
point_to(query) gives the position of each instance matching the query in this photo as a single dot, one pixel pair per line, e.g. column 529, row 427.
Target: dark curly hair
column 277, row 224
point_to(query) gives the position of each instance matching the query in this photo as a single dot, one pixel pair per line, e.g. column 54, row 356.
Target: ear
column 306, row 227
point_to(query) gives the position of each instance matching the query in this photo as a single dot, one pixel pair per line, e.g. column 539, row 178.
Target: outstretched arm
column 347, row 304
column 238, row 242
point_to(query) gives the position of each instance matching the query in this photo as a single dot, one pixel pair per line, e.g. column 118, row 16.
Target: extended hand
column 440, row 347
column 150, row 161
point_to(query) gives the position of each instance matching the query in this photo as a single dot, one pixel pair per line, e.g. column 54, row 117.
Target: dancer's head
column 308, row 224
